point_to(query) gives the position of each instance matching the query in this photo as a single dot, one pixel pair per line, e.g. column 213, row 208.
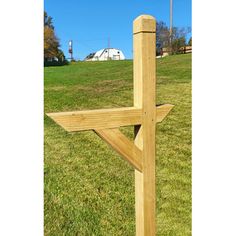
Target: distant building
column 105, row 55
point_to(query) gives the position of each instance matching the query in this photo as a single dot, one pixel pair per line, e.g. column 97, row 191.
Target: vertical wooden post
column 144, row 39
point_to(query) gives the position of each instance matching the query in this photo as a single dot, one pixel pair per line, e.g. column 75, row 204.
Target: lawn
column 89, row 189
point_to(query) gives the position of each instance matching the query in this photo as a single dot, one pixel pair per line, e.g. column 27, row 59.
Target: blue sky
column 90, row 23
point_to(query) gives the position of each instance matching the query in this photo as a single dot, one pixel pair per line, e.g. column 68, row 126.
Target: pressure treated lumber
column 97, row 119
column 105, row 118
column 143, row 116
column 144, row 38
column 123, row 146
column 162, row 111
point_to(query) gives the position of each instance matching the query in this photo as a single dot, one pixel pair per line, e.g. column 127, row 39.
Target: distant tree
column 179, row 38
column 162, row 36
column 177, row 43
column 178, row 33
column 60, row 55
column 51, row 42
column 48, row 21
column 190, row 42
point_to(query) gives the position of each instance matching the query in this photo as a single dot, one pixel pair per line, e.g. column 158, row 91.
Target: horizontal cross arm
column 120, row 143
column 105, row 118
column 97, row 119
column 162, row 111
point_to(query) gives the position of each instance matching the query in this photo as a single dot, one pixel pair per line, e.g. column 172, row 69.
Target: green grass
column 89, row 189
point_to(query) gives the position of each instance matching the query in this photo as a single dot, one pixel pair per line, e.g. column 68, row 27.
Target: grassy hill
column 89, row 189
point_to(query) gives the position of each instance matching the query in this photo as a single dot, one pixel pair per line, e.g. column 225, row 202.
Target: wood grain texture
column 105, row 118
column 120, row 143
column 145, row 99
column 144, row 23
column 97, row 119
column 162, row 111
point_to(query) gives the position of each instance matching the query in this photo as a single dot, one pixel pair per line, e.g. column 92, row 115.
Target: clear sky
column 89, row 23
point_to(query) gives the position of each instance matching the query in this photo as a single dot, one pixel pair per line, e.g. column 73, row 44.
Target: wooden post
column 144, row 39
column 143, row 115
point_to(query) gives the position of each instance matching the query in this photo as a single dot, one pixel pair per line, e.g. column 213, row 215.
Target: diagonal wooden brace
column 120, row 143
column 105, row 122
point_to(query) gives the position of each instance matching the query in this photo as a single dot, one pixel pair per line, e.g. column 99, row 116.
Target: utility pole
column 71, row 49
column 171, row 22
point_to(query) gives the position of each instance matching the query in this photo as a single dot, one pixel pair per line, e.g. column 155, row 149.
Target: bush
column 55, row 63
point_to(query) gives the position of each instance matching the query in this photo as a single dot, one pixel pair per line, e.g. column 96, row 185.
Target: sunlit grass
column 89, row 189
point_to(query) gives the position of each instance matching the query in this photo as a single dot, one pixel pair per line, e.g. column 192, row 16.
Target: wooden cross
column 143, row 115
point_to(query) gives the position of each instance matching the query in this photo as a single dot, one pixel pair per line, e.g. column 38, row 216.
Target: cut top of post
column 144, row 23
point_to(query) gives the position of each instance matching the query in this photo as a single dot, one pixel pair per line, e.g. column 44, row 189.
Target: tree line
column 173, row 42
column 52, row 51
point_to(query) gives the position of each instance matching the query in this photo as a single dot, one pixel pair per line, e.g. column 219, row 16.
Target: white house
column 105, row 55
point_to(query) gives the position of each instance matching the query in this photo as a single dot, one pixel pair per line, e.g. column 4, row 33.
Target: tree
column 51, row 42
column 177, row 43
column 190, row 42
column 48, row 21
column 162, row 36
column 178, row 37
column 60, row 55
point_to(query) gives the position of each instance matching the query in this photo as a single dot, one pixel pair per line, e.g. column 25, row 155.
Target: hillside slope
column 89, row 189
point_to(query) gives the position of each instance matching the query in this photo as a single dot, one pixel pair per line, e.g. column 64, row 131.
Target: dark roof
column 90, row 56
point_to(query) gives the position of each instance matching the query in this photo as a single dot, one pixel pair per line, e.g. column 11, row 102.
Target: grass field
column 89, row 189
